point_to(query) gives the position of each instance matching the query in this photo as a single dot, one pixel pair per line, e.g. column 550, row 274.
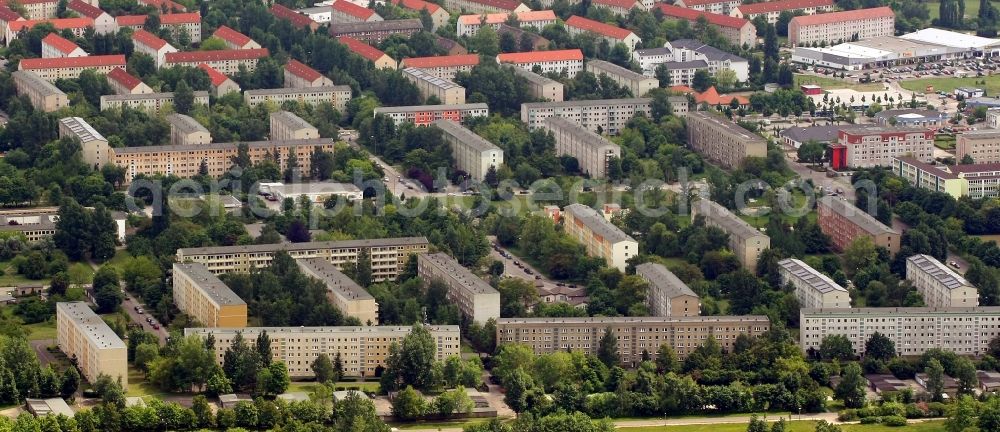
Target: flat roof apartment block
column 541, row 87
column 601, row 116
column 362, row 349
column 423, row 115
column 636, row 82
column 668, row 296
column 844, row 222
column 601, row 238
column 153, row 102
column 634, row 334
column 982, row 145
column 342, row 291
column 720, row 140
column 337, row 95
column 592, row 151
column 43, row 95
column 812, row 288
column 472, row 153
column 185, row 130
column 744, row 240
column 287, row 125
column 473, row 296
column 200, row 294
column 940, row 285
column 84, row 336
column 872, row 147
column 93, row 145
column 429, row 85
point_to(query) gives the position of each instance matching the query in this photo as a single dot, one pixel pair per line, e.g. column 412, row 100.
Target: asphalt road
column 512, row 270
column 43, row 354
column 129, row 304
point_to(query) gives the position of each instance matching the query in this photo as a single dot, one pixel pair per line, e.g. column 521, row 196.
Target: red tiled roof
column 85, row 9
column 302, row 70
column 417, row 5
column 65, row 62
column 58, row 23
column 148, row 39
column 171, row 5
column 974, row 168
column 498, row 18
column 8, row 15
column 851, row 15
column 689, row 3
column 692, row 15
column 60, row 43
column 710, row 96
column 442, row 61
column 352, row 9
column 782, row 5
column 295, row 18
column 180, row 18
column 215, row 76
column 541, row 56
column 624, row 4
column 128, row 81
column 232, row 36
column 210, row 56
column 364, row 50
column 130, row 20
column 598, row 27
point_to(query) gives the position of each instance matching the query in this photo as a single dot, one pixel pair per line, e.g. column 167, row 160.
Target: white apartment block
column 152, row 102
column 684, row 57
column 472, row 153
column 52, row 69
column 600, row 237
column 773, row 9
column 84, row 337
column 444, row 67
column 345, row 294
column 637, row 83
column 592, row 151
column 721, row 7
column 845, row 26
column 469, row 25
column 40, row 9
column 43, row 94
column 54, row 46
column 812, row 288
column 151, row 45
column 668, row 296
column 568, row 62
column 185, row 130
column 337, row 95
column 744, row 240
column 445, row 90
column 93, row 145
column 286, row 125
column 541, row 87
column 475, row 298
column 874, row 147
column 965, row 331
column 486, row 6
column 940, row 285
column 202, row 296
column 362, row 349
column 602, row 116
column 423, row 115
column 225, row 61
column 103, row 22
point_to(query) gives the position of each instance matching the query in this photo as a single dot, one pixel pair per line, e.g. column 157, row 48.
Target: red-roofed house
column 622, row 7
column 558, row 61
column 221, row 84
column 165, row 6
column 300, row 75
column 439, row 16
column 124, row 83
column 442, row 66
column 235, row 39
column 177, row 23
column 469, row 25
column 343, row 12
column 837, row 27
column 51, row 69
column 486, row 6
column 772, row 9
column 151, row 45
column 76, row 25
column 737, row 30
column 103, row 23
column 225, row 61
column 295, row 18
column 711, row 97
column 721, row 7
column 54, row 46
column 381, row 59
column 7, row 16
column 613, row 34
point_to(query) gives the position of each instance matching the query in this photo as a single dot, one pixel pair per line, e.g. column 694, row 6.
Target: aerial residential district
column 499, row 216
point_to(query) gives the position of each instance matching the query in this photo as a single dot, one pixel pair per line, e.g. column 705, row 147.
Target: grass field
column 992, row 86
column 836, row 83
column 797, row 426
column 138, row 386
column 308, row 386
column 945, row 142
column 439, row 425
column 971, row 8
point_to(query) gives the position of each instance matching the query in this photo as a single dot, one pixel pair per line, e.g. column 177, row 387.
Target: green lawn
column 992, row 86
column 119, row 259
column 836, row 83
column 10, row 277
column 796, row 426
column 945, row 142
column 971, row 9
column 439, row 425
column 308, row 386
column 138, row 386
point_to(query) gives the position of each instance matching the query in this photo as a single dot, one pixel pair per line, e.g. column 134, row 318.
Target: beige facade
column 845, row 26
column 345, row 294
column 388, row 255
column 475, row 298
column 592, row 151
column 914, row 330
column 201, row 295
column 52, row 69
column 185, row 130
column 39, row 9
column 638, row 83
column 226, row 61
column 43, row 95
column 599, row 237
column 940, row 285
column 93, row 145
column 286, row 125
column 446, row 91
column 983, row 146
column 602, row 116
column 336, row 95
column 486, row 6
column 361, row 349
column 812, row 288
column 152, row 102
column 471, row 152
column 744, row 240
column 84, row 336
column 423, row 115
column 541, row 87
column 634, row 334
column 668, row 296
column 720, row 140
column 568, row 62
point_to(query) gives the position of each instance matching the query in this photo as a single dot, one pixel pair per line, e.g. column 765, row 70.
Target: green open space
column 836, row 83
column 139, row 386
column 992, row 86
column 438, row 425
column 309, row 386
column 971, row 8
column 944, row 142
column 794, row 426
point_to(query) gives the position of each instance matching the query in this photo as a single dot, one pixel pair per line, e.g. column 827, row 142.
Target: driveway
column 129, row 304
column 41, row 351
column 547, row 287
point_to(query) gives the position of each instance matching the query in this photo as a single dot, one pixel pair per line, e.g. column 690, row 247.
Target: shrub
column 894, row 421
column 848, row 415
column 871, row 420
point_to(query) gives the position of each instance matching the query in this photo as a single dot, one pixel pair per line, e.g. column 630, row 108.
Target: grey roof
column 613, row 69
column 937, row 270
column 185, row 123
column 83, row 130
column 458, row 273
column 422, row 75
column 44, row 407
column 464, row 135
column 653, row 51
column 336, row 281
column 309, row 188
column 981, row 134
column 727, row 125
column 691, row 64
column 419, row 108
column 710, row 52
column 306, row 330
column 597, row 223
column 224, row 146
column 149, row 96
column 291, row 120
column 856, row 215
column 36, row 83
column 725, row 219
column 313, row 10
column 270, row 248
column 665, row 280
column 209, row 284
column 819, row 282
column 903, row 312
column 636, row 320
column 298, row 90
column 45, row 222
column 533, row 77
column 586, row 137
column 821, row 134
column 94, row 328
column 377, row 26
column 587, row 103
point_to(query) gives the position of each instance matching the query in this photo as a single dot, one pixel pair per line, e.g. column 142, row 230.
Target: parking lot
column 943, row 69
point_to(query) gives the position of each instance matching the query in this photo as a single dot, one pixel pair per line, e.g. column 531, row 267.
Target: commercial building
column 375, row 55
column 317, row 192
column 940, row 285
column 844, row 223
column 872, row 147
column 151, row 45
column 337, row 95
column 635, row 335
column 600, row 237
column 772, row 10
column 294, row 18
column 185, row 130
column 668, row 296
column 362, row 350
column 43, row 94
column 201, row 295
column 475, row 298
column 176, row 23
column 103, row 23
column 225, row 61
column 737, row 31
column 839, row 27
column 439, row 16
column 637, row 83
column 926, row 45
column 54, row 46
column 221, row 84
column 345, row 294
column 388, row 255
column 51, row 69
column 442, row 66
column 592, row 151
column 576, row 25
column 153, row 102
column 569, row 62
column 77, row 26
column 486, row 6
column 471, row 152
column 983, row 146
column 235, row 39
column 286, row 125
column 93, row 145
column 541, row 87
column 423, row 115
column 812, row 288
column 469, row 25
column 446, row 91
column 911, row 118
column 745, row 241
column 124, row 83
column 84, row 337
column 601, row 115
column 719, row 139
column 965, row 331
column 376, row 32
